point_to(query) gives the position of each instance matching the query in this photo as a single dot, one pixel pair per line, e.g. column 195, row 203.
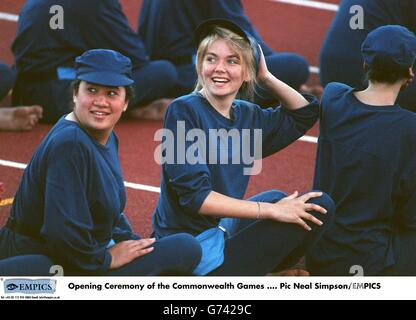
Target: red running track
column 285, row 27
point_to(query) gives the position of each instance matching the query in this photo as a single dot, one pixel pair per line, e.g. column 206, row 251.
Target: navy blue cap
column 391, row 42
column 207, row 27
column 104, row 67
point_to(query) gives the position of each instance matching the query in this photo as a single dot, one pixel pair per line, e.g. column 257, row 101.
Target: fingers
column 294, row 195
column 312, row 206
column 33, row 120
column 37, row 110
column 142, row 247
column 142, row 252
column 312, row 219
column 142, row 243
column 307, row 216
column 305, row 197
column 315, row 207
column 263, row 59
column 126, row 251
column 260, row 49
column 136, row 248
column 133, row 245
column 303, row 224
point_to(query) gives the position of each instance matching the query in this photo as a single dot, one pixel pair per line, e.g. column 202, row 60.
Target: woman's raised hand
column 263, row 72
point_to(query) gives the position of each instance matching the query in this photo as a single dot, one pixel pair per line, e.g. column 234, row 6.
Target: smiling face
column 222, row 70
column 98, row 108
column 220, row 43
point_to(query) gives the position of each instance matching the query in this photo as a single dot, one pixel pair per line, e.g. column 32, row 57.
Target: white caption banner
column 218, row 288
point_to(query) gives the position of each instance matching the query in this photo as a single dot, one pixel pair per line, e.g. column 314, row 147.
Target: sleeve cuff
column 106, row 265
column 199, row 200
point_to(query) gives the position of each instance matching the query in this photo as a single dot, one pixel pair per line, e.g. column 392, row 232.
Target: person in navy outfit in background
column 366, row 162
column 22, row 118
column 44, row 56
column 340, row 57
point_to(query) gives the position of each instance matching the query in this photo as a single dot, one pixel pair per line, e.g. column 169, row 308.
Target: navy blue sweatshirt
column 366, row 162
column 167, row 26
column 185, row 186
column 88, row 24
column 70, row 200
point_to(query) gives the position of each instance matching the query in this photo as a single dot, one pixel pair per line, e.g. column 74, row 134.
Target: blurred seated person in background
column 167, row 27
column 16, row 118
column 44, row 56
column 340, row 57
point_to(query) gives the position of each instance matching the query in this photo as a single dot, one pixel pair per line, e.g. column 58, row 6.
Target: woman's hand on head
column 294, row 209
column 263, row 73
column 125, row 252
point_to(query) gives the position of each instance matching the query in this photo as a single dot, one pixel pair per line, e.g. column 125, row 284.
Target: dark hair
column 129, row 89
column 385, row 71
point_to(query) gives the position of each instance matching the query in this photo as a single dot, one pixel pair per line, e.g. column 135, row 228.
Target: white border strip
column 9, row 17
column 311, row 4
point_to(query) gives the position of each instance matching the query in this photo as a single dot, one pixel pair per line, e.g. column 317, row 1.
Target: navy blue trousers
column 26, row 265
column 156, row 80
column 404, row 265
column 7, row 79
column 177, row 254
column 291, row 68
column 340, row 57
column 405, row 255
column 260, row 246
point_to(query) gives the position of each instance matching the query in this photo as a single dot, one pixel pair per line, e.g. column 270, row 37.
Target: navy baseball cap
column 104, row 67
column 207, row 27
column 391, row 42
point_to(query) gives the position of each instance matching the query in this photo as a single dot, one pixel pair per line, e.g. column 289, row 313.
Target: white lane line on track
column 311, row 4
column 310, row 139
column 8, row 16
column 313, row 69
column 12, row 164
column 143, row 187
column 136, row 186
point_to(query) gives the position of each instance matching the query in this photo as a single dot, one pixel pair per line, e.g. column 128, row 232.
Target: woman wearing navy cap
column 205, row 178
column 340, row 57
column 70, row 201
column 366, row 161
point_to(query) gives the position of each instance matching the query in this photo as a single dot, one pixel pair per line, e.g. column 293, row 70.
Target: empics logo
column 29, row 286
column 11, row 286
